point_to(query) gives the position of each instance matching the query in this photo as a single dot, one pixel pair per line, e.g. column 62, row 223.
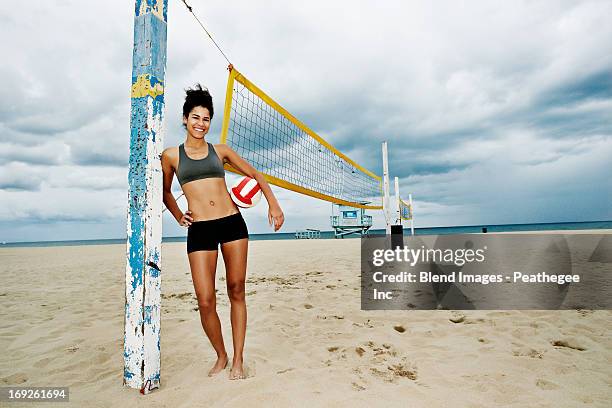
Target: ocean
column 466, row 229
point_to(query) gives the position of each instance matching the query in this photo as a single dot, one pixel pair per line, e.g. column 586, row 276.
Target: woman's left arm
column 275, row 214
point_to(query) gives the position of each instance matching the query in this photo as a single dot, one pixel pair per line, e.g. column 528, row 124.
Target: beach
column 308, row 343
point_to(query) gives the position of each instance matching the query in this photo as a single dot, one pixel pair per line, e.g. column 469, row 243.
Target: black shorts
column 207, row 235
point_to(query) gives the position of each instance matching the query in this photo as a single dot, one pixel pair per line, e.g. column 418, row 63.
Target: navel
column 212, row 203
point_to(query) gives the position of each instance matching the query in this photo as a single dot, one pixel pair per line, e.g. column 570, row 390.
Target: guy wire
column 202, row 25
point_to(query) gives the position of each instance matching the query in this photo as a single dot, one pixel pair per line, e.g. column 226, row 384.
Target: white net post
column 386, row 209
column 398, row 214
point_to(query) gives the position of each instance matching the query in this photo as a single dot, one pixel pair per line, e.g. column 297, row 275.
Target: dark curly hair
column 197, row 96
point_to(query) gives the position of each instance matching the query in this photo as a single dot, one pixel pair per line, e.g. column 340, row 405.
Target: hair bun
column 197, row 96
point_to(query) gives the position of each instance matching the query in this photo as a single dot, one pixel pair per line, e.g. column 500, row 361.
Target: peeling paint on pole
column 141, row 349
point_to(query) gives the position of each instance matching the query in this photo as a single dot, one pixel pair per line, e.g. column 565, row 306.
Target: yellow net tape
column 288, row 153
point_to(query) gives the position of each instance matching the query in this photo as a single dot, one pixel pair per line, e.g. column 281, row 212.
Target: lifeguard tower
column 347, row 220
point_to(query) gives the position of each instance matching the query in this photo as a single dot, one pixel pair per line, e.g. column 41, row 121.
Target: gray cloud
column 20, row 184
column 61, row 66
column 86, row 157
column 20, row 177
column 48, row 153
column 56, row 204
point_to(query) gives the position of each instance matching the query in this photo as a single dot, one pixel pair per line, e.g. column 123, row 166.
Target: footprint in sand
column 569, row 343
column 17, row 378
column 72, row 349
column 458, row 318
column 42, row 363
column 584, row 312
column 381, row 360
column 358, row 387
column 545, row 384
column 364, row 324
column 394, row 372
column 527, row 352
column 399, row 370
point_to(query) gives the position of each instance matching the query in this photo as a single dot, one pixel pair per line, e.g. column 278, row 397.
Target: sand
column 308, row 343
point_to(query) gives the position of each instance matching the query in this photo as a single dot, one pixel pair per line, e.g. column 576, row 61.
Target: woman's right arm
column 169, row 200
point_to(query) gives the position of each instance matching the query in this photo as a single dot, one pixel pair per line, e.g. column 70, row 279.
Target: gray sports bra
column 195, row 169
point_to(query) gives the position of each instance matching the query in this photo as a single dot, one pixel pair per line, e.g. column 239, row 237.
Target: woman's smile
column 198, row 121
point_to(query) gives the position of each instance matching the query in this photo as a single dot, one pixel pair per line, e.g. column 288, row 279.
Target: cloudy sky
column 495, row 112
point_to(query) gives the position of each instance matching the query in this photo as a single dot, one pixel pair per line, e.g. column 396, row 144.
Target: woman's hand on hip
column 276, row 217
column 186, row 219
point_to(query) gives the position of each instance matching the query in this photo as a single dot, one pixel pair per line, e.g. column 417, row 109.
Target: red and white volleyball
column 246, row 192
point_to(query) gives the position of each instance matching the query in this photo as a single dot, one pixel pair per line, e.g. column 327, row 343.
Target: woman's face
column 198, row 122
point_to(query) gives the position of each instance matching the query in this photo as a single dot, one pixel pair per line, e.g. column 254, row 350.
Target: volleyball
column 246, row 192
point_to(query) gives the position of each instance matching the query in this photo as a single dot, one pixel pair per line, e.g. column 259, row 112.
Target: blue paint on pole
column 137, row 190
column 142, row 309
column 155, row 258
column 147, row 314
column 154, row 272
column 148, row 59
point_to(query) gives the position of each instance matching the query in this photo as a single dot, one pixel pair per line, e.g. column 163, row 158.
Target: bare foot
column 237, row 370
column 219, row 366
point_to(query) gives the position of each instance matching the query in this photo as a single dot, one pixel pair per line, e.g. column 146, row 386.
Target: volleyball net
column 405, row 210
column 288, row 153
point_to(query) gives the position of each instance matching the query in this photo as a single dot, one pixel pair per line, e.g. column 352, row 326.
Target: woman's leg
column 235, row 258
column 203, row 268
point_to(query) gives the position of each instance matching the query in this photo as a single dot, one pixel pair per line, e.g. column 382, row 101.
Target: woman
column 213, row 219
